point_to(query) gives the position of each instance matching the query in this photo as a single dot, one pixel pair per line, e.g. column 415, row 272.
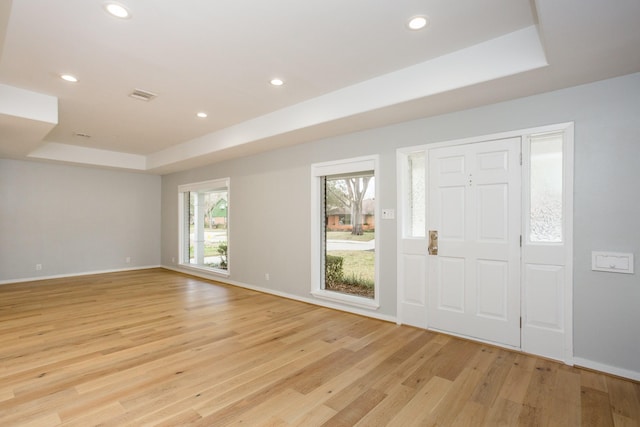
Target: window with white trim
column 204, row 225
column 344, row 224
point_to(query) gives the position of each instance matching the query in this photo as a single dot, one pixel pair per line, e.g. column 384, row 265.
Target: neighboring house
column 219, row 214
column 339, row 218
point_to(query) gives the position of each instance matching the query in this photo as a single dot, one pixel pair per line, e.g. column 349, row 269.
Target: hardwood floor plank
column 6, row 394
column 622, row 421
column 182, row 419
column 93, row 416
column 283, row 407
column 43, row 406
column 397, row 398
column 471, row 415
column 315, row 417
column 423, row 403
column 538, row 398
column 623, row 399
column 502, row 413
column 358, row 408
column 565, row 405
column 456, row 398
column 50, row 419
column 384, row 360
column 447, row 363
column 154, row 347
column 595, row 409
column 408, row 359
column 487, row 391
column 594, row 380
column 517, row 381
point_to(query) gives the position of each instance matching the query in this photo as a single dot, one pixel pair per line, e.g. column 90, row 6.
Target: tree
column 348, row 192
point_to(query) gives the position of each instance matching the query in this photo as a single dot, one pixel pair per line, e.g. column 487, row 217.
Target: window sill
column 210, row 270
column 360, row 302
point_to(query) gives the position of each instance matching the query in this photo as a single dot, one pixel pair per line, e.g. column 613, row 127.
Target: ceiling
column 346, row 66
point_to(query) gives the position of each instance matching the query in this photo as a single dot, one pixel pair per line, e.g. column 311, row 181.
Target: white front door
column 474, row 206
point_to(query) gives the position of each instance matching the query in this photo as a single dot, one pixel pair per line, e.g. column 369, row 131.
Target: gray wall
column 270, row 195
column 75, row 220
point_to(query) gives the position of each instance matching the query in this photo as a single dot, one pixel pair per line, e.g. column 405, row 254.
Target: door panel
column 414, row 268
column 544, row 288
column 451, row 284
column 452, row 200
column 492, row 212
column 474, row 204
column 493, row 288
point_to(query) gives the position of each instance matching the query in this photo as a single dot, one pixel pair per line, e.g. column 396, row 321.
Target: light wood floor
column 155, row 347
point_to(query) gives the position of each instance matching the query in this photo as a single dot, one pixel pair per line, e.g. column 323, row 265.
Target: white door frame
column 412, row 292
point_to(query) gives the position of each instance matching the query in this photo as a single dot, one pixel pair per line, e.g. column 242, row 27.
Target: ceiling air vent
column 142, row 95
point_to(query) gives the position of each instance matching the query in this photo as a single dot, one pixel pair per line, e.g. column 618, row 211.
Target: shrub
column 222, row 250
column 333, row 270
column 358, row 280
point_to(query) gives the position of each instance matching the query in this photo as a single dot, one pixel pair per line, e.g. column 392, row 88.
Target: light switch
column 388, row 214
column 615, row 262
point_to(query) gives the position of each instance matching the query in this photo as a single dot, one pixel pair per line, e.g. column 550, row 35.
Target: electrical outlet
column 173, row 260
column 127, row 259
column 266, row 276
column 38, row 267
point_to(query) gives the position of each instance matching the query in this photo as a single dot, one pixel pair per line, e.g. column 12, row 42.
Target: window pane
column 349, row 234
column 207, row 229
column 416, row 197
column 546, row 189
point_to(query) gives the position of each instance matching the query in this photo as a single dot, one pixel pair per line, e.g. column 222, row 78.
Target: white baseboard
column 84, row 273
column 313, row 301
column 602, row 367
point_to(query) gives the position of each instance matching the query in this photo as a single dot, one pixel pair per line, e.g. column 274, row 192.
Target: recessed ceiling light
column 417, row 22
column 117, row 10
column 276, row 82
column 202, row 115
column 69, row 78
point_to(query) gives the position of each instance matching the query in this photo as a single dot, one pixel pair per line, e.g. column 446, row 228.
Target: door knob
column 433, row 242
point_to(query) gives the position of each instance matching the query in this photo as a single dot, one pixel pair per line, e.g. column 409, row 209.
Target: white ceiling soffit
column 510, row 54
column 26, row 117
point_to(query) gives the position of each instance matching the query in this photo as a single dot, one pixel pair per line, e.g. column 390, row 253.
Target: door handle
column 433, row 242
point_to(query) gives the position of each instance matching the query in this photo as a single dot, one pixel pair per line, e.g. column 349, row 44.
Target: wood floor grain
column 154, row 347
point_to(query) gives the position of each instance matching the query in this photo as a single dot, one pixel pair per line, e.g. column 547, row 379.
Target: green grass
column 358, row 267
column 210, row 249
column 346, row 235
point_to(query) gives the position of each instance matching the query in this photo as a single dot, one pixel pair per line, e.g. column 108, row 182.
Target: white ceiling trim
column 89, row 156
